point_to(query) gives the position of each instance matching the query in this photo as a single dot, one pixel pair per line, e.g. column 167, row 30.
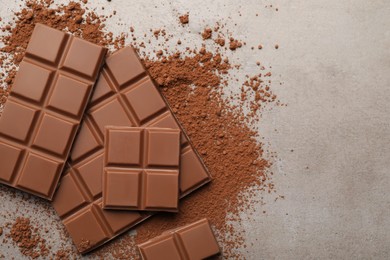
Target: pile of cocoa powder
column 25, row 236
column 193, row 83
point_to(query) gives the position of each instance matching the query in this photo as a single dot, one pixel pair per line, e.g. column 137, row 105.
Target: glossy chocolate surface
column 44, row 110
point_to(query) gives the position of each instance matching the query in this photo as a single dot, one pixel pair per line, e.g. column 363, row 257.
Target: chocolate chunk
column 42, row 115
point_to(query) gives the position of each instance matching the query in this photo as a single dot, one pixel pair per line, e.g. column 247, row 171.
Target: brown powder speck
column 1, row 231
column 156, row 33
column 234, row 44
column 78, row 19
column 184, row 19
column 220, row 41
column 207, row 33
column 29, row 15
column 61, row 255
column 260, row 47
column 159, row 53
column 84, row 244
column 276, row 46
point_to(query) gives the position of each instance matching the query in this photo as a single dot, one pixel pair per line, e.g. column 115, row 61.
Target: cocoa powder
column 27, row 239
column 193, row 83
column 234, row 44
column 184, row 19
column 207, row 33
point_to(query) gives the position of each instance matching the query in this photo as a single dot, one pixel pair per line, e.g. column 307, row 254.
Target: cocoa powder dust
column 25, row 236
column 193, row 82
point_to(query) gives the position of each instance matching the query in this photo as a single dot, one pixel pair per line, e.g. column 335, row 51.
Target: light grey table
column 334, row 62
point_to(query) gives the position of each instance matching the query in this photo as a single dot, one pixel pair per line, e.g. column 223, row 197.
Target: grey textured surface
column 334, row 62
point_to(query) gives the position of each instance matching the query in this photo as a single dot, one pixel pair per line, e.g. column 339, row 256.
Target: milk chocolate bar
column 192, row 242
column 141, row 168
column 125, row 95
column 44, row 110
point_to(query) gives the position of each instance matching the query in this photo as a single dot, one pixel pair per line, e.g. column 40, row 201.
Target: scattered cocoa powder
column 184, row 19
column 199, row 70
column 207, row 33
column 61, row 255
column 1, row 231
column 234, row 44
column 220, row 41
column 194, row 87
column 27, row 239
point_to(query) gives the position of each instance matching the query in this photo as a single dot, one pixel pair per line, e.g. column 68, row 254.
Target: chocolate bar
column 141, row 168
column 192, row 242
column 124, row 95
column 44, row 110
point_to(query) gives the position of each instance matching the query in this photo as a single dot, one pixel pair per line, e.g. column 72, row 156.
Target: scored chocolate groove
column 125, row 95
column 42, row 114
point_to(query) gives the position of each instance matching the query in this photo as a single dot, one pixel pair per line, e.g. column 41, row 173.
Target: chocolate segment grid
column 141, row 168
column 192, row 242
column 42, row 114
column 125, row 95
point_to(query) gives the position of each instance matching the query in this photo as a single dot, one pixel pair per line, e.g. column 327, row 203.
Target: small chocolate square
column 18, row 129
column 162, row 189
column 136, row 97
column 53, row 135
column 122, row 188
column 69, row 96
column 116, row 64
column 46, row 43
column 163, row 148
column 39, row 174
column 123, row 148
column 34, row 82
column 83, row 58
